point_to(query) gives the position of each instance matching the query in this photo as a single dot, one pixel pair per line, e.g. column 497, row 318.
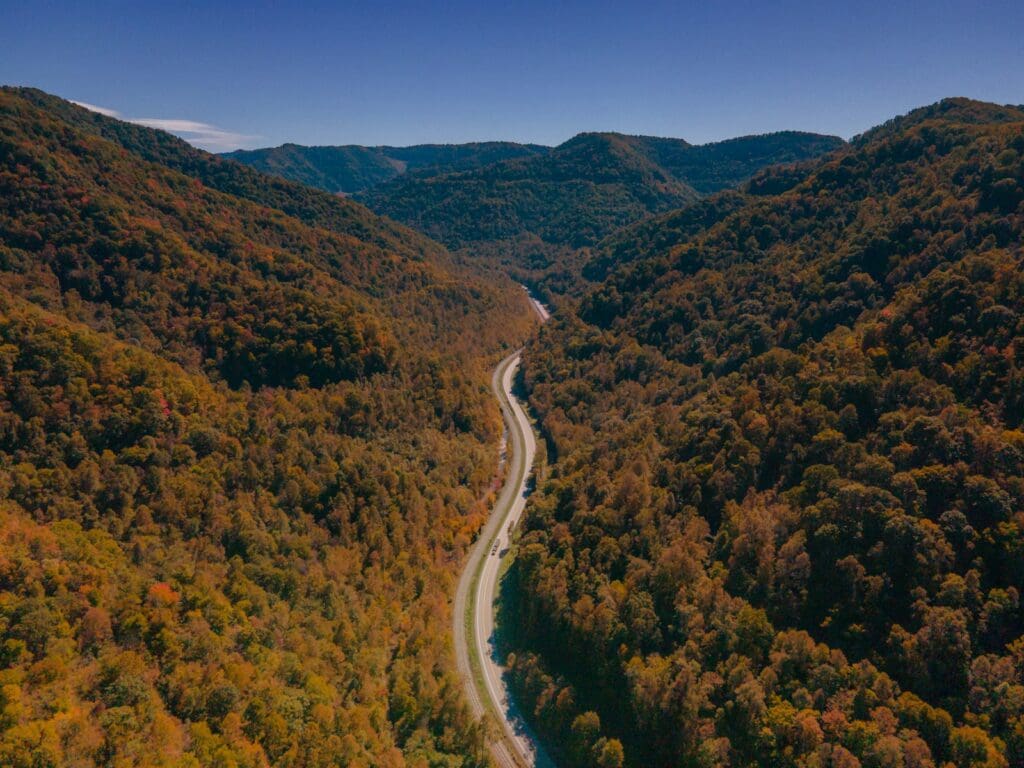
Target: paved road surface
column 511, row 741
column 540, row 309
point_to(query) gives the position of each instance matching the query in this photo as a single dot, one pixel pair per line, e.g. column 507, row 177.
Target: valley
column 622, row 452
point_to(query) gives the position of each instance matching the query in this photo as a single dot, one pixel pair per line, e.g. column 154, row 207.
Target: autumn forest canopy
column 783, row 516
column 247, row 439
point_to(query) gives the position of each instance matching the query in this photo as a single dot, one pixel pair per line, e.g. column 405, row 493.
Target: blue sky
column 262, row 73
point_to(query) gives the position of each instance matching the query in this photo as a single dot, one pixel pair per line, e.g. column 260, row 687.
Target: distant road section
column 511, row 742
column 539, row 308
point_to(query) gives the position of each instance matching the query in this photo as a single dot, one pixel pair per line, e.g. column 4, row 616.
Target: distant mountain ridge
column 582, row 190
column 532, row 214
column 528, row 208
column 352, row 168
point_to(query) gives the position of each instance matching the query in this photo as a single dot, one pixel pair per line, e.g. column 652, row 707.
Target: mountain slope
column 242, row 450
column 783, row 520
column 352, row 168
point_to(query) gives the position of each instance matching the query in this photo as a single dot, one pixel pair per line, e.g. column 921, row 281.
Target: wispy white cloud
column 94, row 108
column 199, row 134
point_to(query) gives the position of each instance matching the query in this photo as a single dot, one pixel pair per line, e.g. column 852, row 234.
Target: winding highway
column 512, row 743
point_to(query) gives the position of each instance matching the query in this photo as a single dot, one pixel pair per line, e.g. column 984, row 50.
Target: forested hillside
column 245, row 438
column 533, row 214
column 311, row 206
column 352, row 168
column 783, row 522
